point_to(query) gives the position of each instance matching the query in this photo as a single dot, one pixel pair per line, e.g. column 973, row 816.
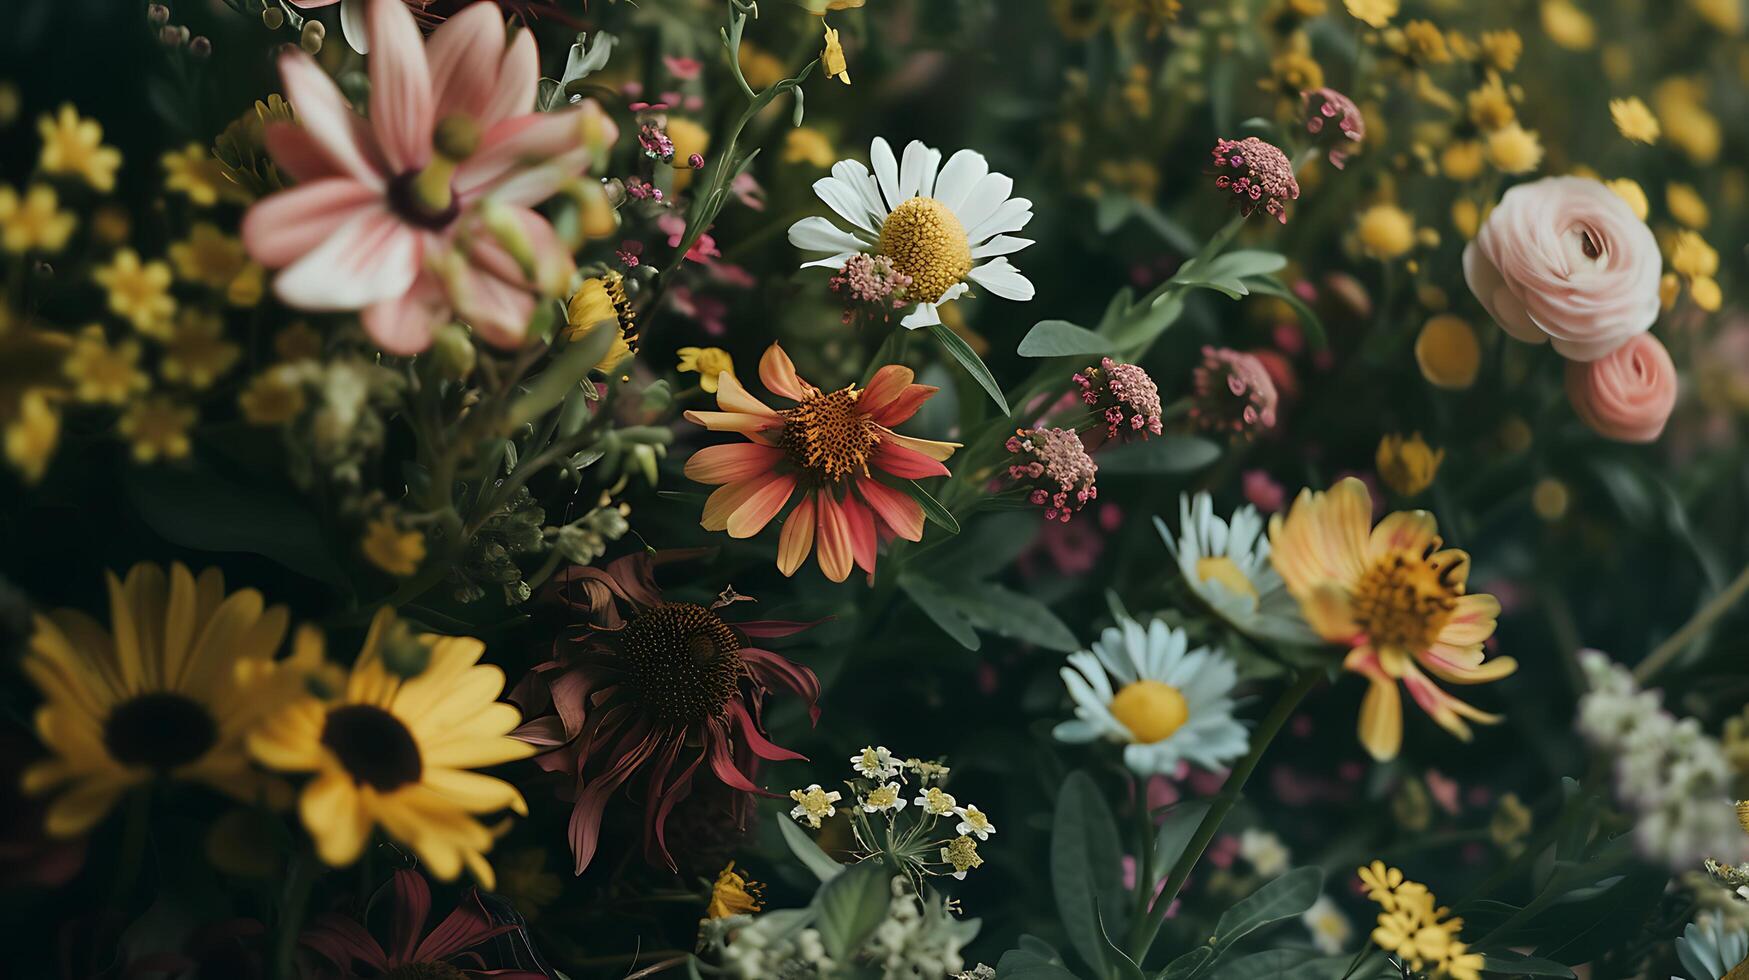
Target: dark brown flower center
column 684, row 662
column 374, row 746
column 830, row 436
column 159, row 730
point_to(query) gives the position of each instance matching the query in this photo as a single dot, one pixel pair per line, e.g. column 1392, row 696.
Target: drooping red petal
column 762, row 747
column 907, row 464
column 412, row 907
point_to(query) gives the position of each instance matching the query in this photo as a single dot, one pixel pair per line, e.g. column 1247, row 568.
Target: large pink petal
column 498, row 311
column 401, row 111
column 895, row 508
column 757, row 511
column 518, row 78
column 325, row 115
column 863, row 540
column 297, row 154
column 526, row 158
column 464, row 54
column 370, row 258
column 907, row 464
column 405, row 324
column 762, row 747
column 284, row 227
column 732, row 462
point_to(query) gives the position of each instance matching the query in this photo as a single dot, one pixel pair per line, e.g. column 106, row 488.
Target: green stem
column 136, row 824
column 1144, row 848
column 1146, row 929
column 295, row 898
column 1703, row 618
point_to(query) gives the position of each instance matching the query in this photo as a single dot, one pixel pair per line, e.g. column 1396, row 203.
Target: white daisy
column 944, row 226
column 1711, row 947
column 875, row 762
column 1329, row 927
column 974, row 821
column 883, row 798
column 936, row 802
column 1226, row 563
column 1169, row 705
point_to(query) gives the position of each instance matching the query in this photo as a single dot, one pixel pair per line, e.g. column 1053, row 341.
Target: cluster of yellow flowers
column 1416, row 931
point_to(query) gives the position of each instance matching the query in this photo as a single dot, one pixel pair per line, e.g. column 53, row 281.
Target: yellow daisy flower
column 1512, row 149
column 34, row 222
column 395, row 748
column 1567, row 25
column 157, row 695
column 1396, row 599
column 708, row 362
column 1630, row 191
column 1503, row 48
column 157, row 427
column 208, row 257
column 1374, row 13
column 1686, row 205
column 1407, row 466
column 195, row 173
column 733, row 894
column 138, row 292
column 31, row 435
column 1386, row 232
column 74, row 147
column 197, row 353
column 603, row 301
column 273, row 397
column 1415, row 929
column 391, row 549
column 101, row 373
column 1634, row 120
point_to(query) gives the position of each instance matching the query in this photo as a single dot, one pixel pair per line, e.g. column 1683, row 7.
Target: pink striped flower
column 827, row 448
column 422, row 213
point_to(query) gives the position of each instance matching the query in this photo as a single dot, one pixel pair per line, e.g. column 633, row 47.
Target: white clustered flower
column 918, row 939
column 1674, row 776
column 974, row 821
column 875, row 762
column 814, row 804
column 767, row 946
column 1264, row 851
column 1330, row 929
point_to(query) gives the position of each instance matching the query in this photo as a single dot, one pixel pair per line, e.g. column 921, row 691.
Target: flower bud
column 272, row 18
column 311, row 39
column 157, row 14
column 452, row 352
column 200, row 47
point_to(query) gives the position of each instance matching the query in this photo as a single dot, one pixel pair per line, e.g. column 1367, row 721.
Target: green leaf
column 1162, row 454
column 1126, row 967
column 1243, row 264
column 1005, row 612
column 968, row 358
column 1111, row 211
column 1286, row 896
column 574, row 362
column 1187, row 965
column 952, row 622
column 849, row 907
column 1137, row 327
column 1518, row 965
column 1060, row 338
column 932, row 509
column 1021, row 964
column 1085, row 862
column 806, row 850
column 195, row 505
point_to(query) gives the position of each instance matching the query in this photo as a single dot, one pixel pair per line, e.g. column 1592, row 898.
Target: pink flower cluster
column 1234, row 394
column 869, row 284
column 1056, row 463
column 655, row 143
column 1323, row 106
column 1127, row 397
column 1258, row 174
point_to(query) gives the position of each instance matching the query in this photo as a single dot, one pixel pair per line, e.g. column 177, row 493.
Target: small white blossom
column 883, row 798
column 1264, row 851
column 875, row 762
column 814, row 804
column 974, row 821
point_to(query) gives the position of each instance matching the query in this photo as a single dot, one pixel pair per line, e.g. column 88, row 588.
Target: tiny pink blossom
column 1126, row 397
column 1055, row 464
column 684, row 69
column 1257, row 174
column 1233, row 394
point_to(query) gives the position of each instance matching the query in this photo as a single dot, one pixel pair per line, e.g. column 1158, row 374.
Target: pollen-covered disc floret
column 828, row 436
column 927, row 243
column 1126, row 397
column 1257, row 174
column 1405, row 599
column 1055, row 463
column 1234, row 394
column 684, row 662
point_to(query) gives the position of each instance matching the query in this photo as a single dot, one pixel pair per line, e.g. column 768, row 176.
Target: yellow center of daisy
column 828, row 435
column 926, row 241
column 1151, row 710
column 159, row 731
column 373, row 746
column 684, row 662
column 1404, row 599
column 1220, row 568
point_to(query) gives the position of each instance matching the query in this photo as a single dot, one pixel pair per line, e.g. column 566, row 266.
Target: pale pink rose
column 421, row 211
column 1627, row 396
column 1564, row 259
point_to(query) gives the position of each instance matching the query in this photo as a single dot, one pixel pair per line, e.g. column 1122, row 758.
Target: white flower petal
column 911, row 167
column 816, row 234
column 845, row 202
column 963, row 171
column 923, row 316
column 1012, row 215
column 886, row 168
column 1000, row 245
column 983, row 199
column 862, row 183
column 1003, row 279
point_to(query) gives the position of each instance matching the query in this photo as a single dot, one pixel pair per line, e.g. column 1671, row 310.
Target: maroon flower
column 442, row 954
column 1330, row 114
column 1257, row 174
column 653, row 695
column 1233, row 394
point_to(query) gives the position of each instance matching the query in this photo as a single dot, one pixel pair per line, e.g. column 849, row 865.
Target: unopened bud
column 157, row 14
column 696, row 161
column 311, row 39
column 173, row 36
column 272, row 18
column 200, row 47
column 452, row 352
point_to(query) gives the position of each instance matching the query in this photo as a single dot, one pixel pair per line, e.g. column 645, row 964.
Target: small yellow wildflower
column 1466, row 217
column 814, row 804
column 246, row 289
column 391, row 549
column 1514, row 150
column 194, row 172
column 297, row 341
column 1374, row 13
column 709, row 362
column 74, row 147
column 1414, row 930
column 1490, row 105
column 1686, row 205
column 1386, row 232
column 101, row 373
column 1503, row 48
column 157, row 427
column 936, row 802
column 1407, row 466
column 1634, row 120
column 1427, row 42
column 1630, row 191
column 805, row 144
column 1692, row 257
column 111, row 225
column 197, row 353
column 601, row 303
column 733, row 895
column 883, row 798
column 138, row 292
column 1681, row 105
column 31, row 435
column 273, row 397
column 34, row 222
column 1462, row 160
column 832, row 57
column 208, row 257
column 1448, row 353
column 1567, row 25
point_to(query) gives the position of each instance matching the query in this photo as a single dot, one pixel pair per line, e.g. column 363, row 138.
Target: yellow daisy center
column 828, row 435
column 926, row 241
column 684, row 662
column 159, row 731
column 1404, row 600
column 1151, row 710
column 373, row 746
column 1220, row 568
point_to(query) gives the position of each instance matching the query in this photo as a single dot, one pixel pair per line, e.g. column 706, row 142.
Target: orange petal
column 1405, row 530
column 778, row 374
column 1381, row 711
column 938, row 451
column 751, row 426
column 905, row 463
column 834, row 552
column 887, row 384
column 726, row 499
column 727, row 464
column 895, row 507
column 757, row 510
column 731, row 397
column 797, row 538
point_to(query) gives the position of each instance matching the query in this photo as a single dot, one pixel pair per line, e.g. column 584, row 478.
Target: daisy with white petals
column 1226, row 563
column 1168, row 704
column 974, row 821
column 875, row 762
column 945, row 227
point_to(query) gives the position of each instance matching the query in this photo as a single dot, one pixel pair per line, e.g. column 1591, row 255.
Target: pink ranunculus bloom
column 1627, row 396
column 1565, row 260
column 422, row 213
